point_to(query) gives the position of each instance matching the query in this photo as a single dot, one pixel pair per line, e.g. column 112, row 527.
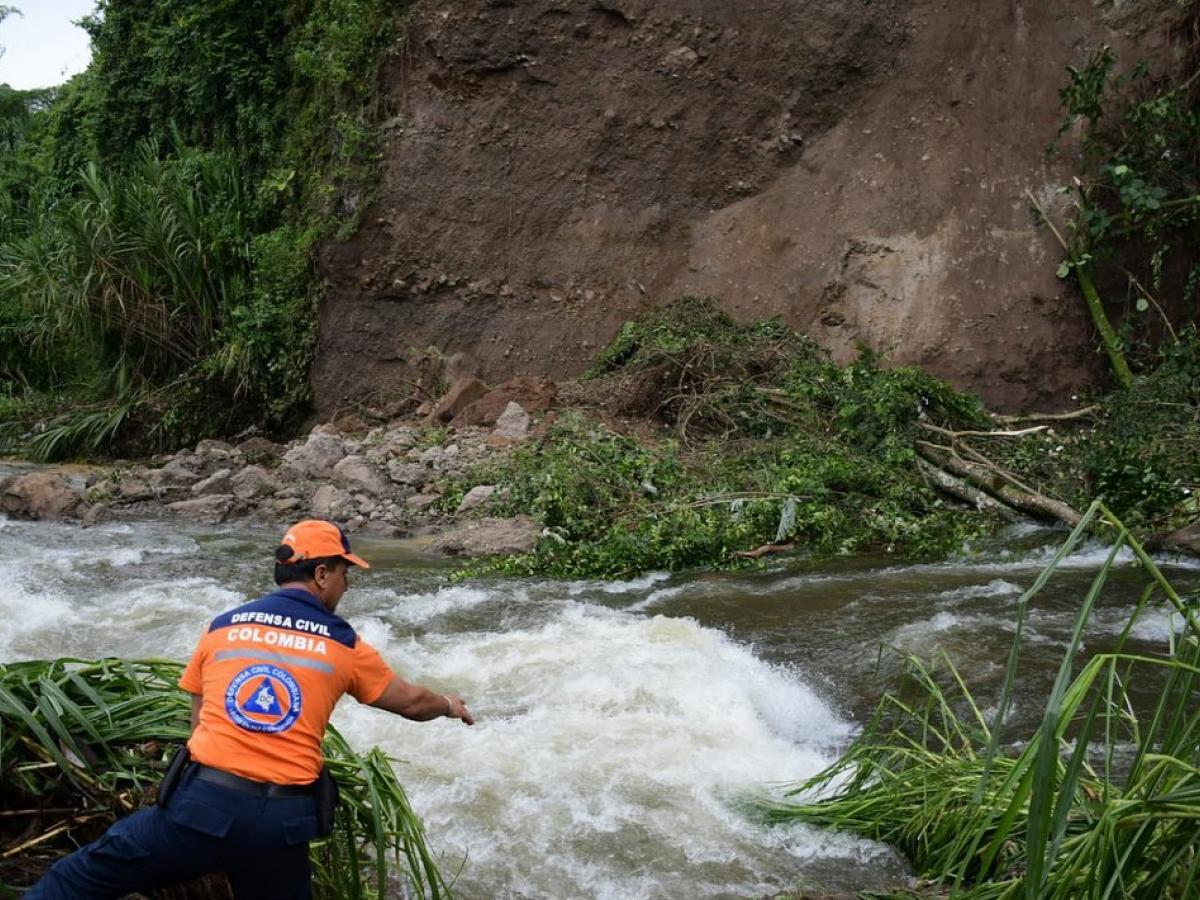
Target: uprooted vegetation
column 770, row 446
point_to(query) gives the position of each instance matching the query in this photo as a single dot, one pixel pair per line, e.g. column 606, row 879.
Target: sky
column 42, row 46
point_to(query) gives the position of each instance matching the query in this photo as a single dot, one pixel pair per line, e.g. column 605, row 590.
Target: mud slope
column 553, row 167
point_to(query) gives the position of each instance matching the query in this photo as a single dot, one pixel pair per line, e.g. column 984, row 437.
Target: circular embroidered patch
column 263, row 698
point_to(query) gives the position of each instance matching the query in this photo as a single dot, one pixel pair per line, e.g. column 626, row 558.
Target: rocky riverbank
column 389, row 478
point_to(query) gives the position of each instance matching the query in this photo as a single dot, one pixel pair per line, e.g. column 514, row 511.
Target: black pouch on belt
column 327, row 801
column 174, row 772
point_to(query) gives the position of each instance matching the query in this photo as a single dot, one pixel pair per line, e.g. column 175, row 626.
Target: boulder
column 212, row 446
column 209, row 509
column 333, row 503
column 408, row 472
column 354, row 473
column 317, row 456
column 490, row 537
column 41, row 495
column 212, row 455
column 286, row 505
column 476, row 497
column 219, row 482
column 534, row 395
column 465, row 392
column 134, row 486
column 512, row 427
column 172, row 482
column 421, row 502
column 1186, row 538
column 253, row 482
column 259, row 449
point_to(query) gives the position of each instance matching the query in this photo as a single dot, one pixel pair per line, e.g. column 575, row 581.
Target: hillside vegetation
column 158, row 214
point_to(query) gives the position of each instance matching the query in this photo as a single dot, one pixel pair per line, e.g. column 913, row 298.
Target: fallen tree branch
column 958, row 434
column 961, row 490
column 760, row 552
column 996, row 484
column 1084, row 413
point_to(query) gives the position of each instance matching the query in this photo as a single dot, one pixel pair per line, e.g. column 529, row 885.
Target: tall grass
column 83, row 742
column 1102, row 800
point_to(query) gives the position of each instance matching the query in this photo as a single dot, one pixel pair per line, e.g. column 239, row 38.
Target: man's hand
column 458, row 710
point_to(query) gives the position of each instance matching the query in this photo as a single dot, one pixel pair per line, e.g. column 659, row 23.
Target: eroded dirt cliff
column 554, row 167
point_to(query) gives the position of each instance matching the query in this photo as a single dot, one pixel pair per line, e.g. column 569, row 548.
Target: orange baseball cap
column 314, row 538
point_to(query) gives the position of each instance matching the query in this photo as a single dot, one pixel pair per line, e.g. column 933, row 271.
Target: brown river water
column 620, row 724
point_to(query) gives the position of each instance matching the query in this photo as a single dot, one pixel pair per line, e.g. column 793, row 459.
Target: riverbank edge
column 390, row 480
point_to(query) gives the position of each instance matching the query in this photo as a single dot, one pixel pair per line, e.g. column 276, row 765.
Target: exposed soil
column 553, row 168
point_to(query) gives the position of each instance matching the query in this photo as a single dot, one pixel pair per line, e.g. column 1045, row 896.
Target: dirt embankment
column 553, row 168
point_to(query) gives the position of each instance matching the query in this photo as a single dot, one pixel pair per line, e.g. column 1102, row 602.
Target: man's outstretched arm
column 421, row 704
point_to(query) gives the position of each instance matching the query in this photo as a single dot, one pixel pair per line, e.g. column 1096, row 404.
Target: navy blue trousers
column 260, row 843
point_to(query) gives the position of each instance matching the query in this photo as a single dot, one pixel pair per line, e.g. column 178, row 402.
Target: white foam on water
column 606, row 745
column 632, row 586
column 420, row 608
column 1153, row 626
column 997, row 587
column 150, row 619
column 34, row 623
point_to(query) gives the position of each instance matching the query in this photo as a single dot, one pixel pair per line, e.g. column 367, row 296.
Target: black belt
column 249, row 785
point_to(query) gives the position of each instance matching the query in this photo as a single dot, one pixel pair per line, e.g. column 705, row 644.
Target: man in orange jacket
column 264, row 680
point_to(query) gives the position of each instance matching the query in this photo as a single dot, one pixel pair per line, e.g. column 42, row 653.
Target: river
column 618, row 724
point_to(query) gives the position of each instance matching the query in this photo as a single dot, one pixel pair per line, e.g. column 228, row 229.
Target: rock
column 354, row 473
column 408, row 472
column 286, row 505
column 259, row 449
column 177, row 473
column 41, row 495
column 209, row 447
column 511, row 427
column 219, row 482
column 1186, row 538
column 210, row 509
column 133, row 487
column 96, row 514
column 365, row 504
column 419, row 502
column 679, row 59
column 433, row 457
column 475, row 497
column 317, row 456
column 534, row 395
column 490, row 537
column 253, row 482
column 172, row 482
column 464, row 392
column 212, row 455
column 333, row 503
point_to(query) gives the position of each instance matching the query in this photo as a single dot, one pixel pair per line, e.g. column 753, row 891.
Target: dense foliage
column 1135, row 223
column 1137, row 450
column 772, row 444
column 157, row 216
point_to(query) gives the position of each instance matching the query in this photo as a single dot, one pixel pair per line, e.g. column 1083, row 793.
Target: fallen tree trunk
column 956, row 487
column 992, row 482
